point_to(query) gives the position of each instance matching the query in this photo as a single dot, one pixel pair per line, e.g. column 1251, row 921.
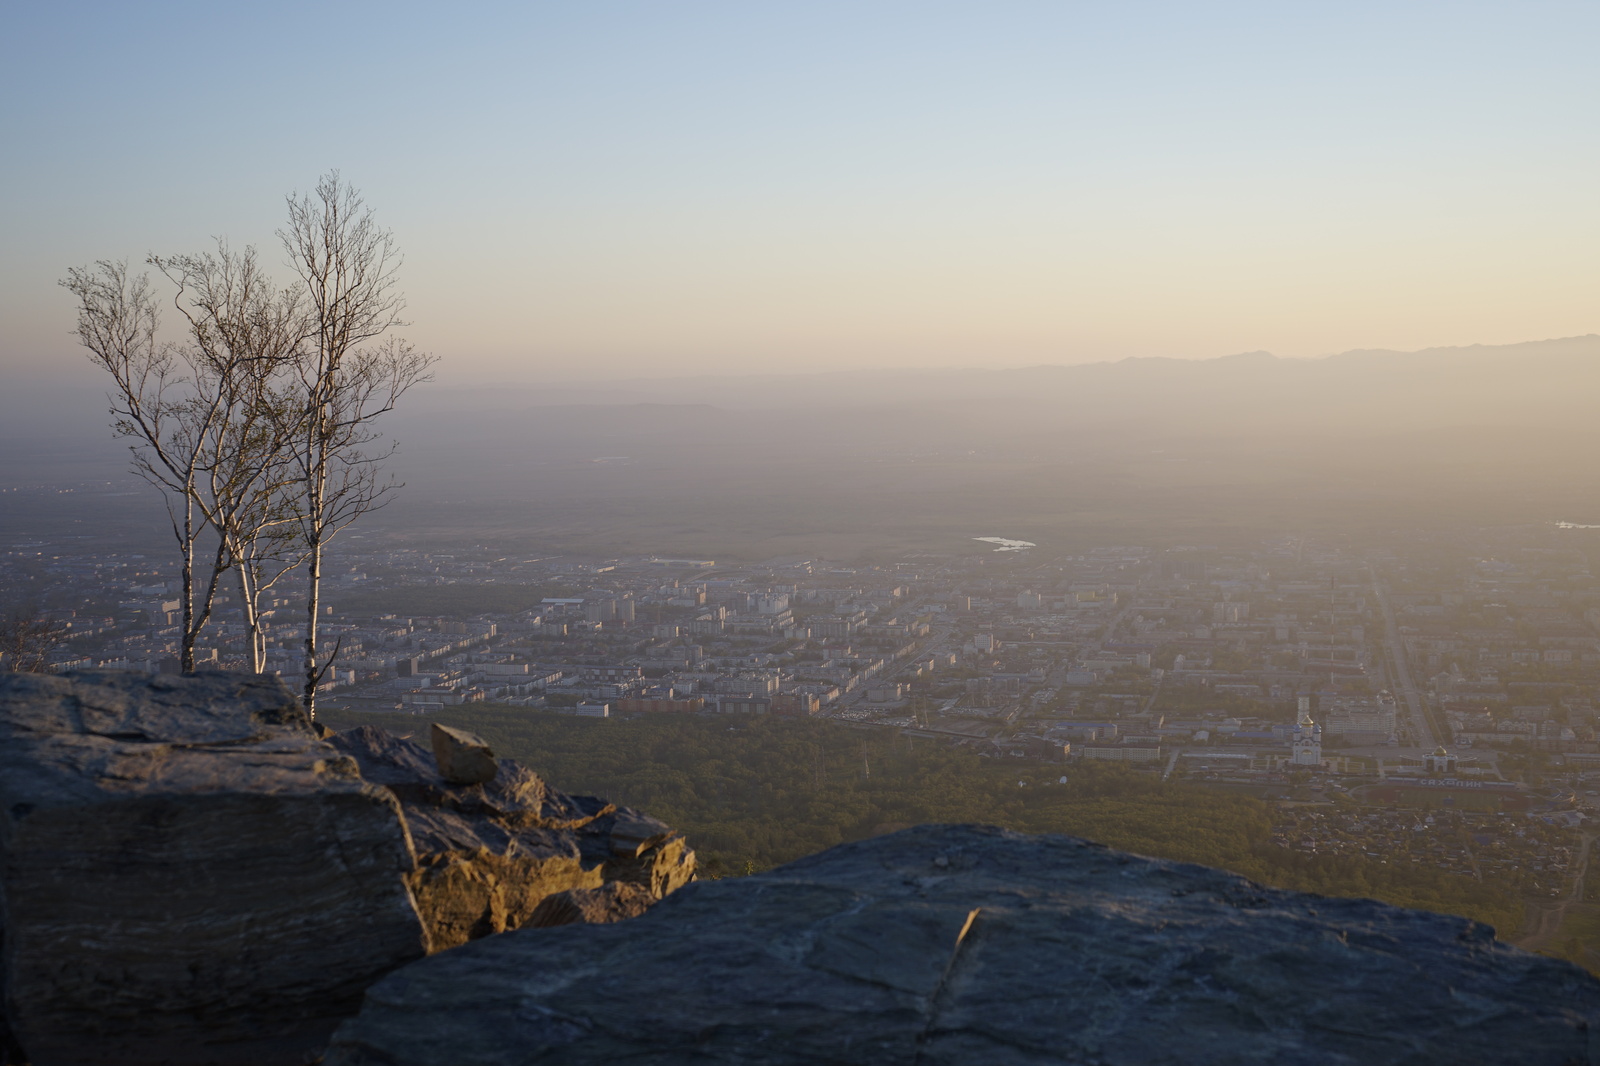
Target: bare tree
column 246, row 333
column 258, row 428
column 349, row 374
column 167, row 402
column 26, row 640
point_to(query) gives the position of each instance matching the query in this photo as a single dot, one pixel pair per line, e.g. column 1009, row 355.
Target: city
column 1429, row 700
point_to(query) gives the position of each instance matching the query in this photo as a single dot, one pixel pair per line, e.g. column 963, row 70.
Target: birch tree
column 350, row 372
column 246, row 333
column 167, row 403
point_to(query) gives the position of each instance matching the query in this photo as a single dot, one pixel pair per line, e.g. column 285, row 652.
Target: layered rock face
column 962, row 945
column 189, row 875
column 193, row 873
column 489, row 854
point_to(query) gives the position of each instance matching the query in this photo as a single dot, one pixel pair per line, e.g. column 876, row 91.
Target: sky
column 616, row 189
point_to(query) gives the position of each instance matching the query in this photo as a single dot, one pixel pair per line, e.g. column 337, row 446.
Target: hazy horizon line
column 952, row 370
column 467, row 380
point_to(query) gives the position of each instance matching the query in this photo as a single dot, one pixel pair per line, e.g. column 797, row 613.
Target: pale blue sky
column 618, row 188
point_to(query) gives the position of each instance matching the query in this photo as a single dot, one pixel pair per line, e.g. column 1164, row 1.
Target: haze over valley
column 843, row 463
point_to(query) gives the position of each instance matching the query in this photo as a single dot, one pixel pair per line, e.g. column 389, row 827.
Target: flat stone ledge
column 969, row 944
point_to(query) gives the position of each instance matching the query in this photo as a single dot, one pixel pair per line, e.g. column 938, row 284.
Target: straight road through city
column 1420, row 729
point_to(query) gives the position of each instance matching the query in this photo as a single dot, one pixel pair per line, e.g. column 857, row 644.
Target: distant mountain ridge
column 1587, row 345
column 700, row 464
column 1529, row 368
column 1536, row 387
column 1535, row 384
column 902, row 387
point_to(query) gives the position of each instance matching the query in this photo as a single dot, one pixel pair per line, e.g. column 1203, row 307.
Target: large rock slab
column 963, row 944
column 189, row 874
column 488, row 854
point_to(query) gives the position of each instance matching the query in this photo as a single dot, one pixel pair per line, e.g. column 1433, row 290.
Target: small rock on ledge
column 613, row 902
column 464, row 758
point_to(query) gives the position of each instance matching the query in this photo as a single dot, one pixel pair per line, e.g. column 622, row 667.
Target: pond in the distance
column 1005, row 544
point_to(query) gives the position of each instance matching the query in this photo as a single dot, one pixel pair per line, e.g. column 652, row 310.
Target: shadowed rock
column 190, row 875
column 962, row 945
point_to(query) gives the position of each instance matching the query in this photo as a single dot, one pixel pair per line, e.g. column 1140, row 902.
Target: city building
column 1306, row 748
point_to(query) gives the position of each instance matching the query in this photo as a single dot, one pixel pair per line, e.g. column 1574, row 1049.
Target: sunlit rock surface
column 963, row 945
column 489, row 854
column 612, row 902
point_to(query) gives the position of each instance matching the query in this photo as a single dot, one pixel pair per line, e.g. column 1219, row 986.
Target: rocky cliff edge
column 193, row 873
